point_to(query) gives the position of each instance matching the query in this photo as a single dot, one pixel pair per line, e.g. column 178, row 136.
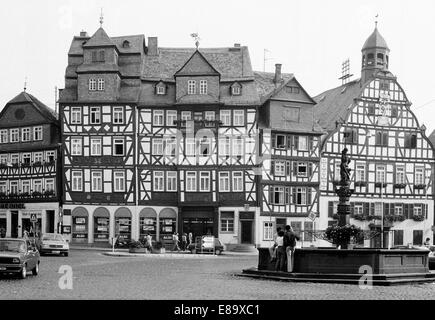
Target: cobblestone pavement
column 96, row 276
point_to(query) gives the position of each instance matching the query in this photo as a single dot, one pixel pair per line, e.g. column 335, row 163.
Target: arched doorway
column 123, row 224
column 101, row 224
column 168, row 224
column 148, row 223
column 80, row 225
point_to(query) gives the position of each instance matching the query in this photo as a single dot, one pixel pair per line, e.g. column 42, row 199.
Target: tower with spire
column 375, row 55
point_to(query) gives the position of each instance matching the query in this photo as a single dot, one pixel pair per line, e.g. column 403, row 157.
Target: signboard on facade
column 12, row 206
column 312, row 215
column 323, row 174
column 246, row 215
column 33, row 217
column 66, row 229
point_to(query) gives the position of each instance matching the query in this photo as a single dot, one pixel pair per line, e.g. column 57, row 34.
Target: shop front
column 32, row 227
column 148, row 223
column 3, row 224
column 123, row 224
column 168, row 225
column 80, row 225
column 247, row 227
column 101, row 225
column 199, row 221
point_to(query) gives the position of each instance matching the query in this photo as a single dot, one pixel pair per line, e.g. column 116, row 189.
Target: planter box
column 137, row 250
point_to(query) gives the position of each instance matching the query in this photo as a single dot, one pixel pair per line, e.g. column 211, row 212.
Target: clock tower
column 375, row 56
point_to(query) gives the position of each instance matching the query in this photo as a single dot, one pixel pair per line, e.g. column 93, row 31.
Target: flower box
column 137, row 250
column 360, row 184
column 37, row 164
column 418, row 217
column 419, row 186
column 380, row 184
column 399, row 185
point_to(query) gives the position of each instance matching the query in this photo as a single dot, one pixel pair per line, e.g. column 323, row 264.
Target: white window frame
column 235, row 90
column 204, row 181
column 76, row 146
column 202, row 86
column 205, row 142
column 400, row 174
column 118, row 141
column 171, row 117
column 26, row 155
column 96, row 181
column 379, row 207
column 268, row 230
column 210, row 115
column 186, row 115
column 14, row 187
column 170, row 147
column 37, row 133
column 96, row 146
column 92, row 84
column 358, row 209
column 158, row 118
column 15, row 158
column 360, row 172
column 238, row 146
column 101, row 84
column 4, row 136
column 302, row 174
column 26, row 186
column 76, row 115
column 160, row 90
column 238, row 118
column 225, row 117
column 237, row 181
column 171, row 181
column 302, row 191
column 3, row 187
column 49, row 185
column 96, row 112
column 49, row 154
column 37, row 185
column 280, row 168
column 303, row 143
column 224, row 146
column 14, row 135
column 76, row 180
column 398, row 209
column 119, row 181
column 419, row 176
column 3, row 158
column 38, row 157
column 281, row 195
column 418, row 210
column 224, row 181
column 158, row 147
column 191, row 181
column 158, row 181
column 26, row 134
column 190, row 147
column 226, row 223
column 118, row 115
column 191, row 87
column 381, row 173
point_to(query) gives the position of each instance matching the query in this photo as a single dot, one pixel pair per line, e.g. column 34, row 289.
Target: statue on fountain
column 344, row 168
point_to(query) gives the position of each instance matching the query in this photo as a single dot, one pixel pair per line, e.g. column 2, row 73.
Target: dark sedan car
column 18, row 256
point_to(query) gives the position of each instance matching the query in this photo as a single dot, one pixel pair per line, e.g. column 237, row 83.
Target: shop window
column 123, row 228
column 167, row 228
column 80, row 228
column 227, row 221
column 417, row 236
column 148, row 226
column 101, row 229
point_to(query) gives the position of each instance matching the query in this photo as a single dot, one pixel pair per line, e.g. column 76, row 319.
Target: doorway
column 14, row 224
column 246, row 231
column 49, row 222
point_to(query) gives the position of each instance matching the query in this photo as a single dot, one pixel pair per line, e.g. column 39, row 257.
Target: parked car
column 18, row 256
column 53, row 243
column 206, row 244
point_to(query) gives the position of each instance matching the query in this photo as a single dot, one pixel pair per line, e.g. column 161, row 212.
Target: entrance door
column 49, row 222
column 14, row 224
column 246, row 231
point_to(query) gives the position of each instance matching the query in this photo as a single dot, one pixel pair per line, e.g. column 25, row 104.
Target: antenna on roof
column 101, row 18
column 25, row 83
column 264, row 59
column 197, row 38
column 345, row 71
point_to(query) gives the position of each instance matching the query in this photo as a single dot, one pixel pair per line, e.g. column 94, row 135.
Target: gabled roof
column 26, row 98
column 332, row 105
column 99, row 39
column 266, row 87
column 432, row 138
column 375, row 40
column 190, row 68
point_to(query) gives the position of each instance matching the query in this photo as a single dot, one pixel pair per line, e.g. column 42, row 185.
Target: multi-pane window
column 303, row 143
column 50, row 156
column 4, row 136
column 37, row 133
column 209, row 115
column 100, row 84
column 227, row 221
column 419, row 176
column 378, row 208
column 119, row 181
column 186, row 115
column 224, row 146
column 205, row 146
column 158, row 117
column 158, row 146
column 96, row 147
column 25, row 134
column 418, row 210
column 380, row 174
column 171, row 181
column 301, row 196
column 398, row 209
column 204, row 181
column 358, row 209
column 400, row 175
column 191, row 87
column 278, row 195
column 171, row 117
column 280, row 168
column 76, row 115
column 77, row 181
column 92, row 84
column 236, row 90
column 118, row 147
column 15, row 135
column 118, row 115
column 25, row 186
column 239, row 117
column 191, row 181
column 238, row 146
column 225, row 117
column 161, row 89
column 237, row 181
column 37, row 186
column 224, row 181
column 14, row 187
column 37, row 157
column 95, row 115
column 268, row 231
column 170, row 147
column 3, row 158
column 3, row 187
column 203, row 87
column 350, row 136
column 97, row 181
column 381, row 138
column 159, row 181
column 411, row 140
column 76, row 146
column 190, row 147
column 49, row 185
column 360, row 173
column 15, row 158
column 26, row 158
column 302, row 169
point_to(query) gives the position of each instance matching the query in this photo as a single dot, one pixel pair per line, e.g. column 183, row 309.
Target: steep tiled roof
column 100, row 38
column 265, row 84
column 26, row 98
column 375, row 40
column 432, row 138
column 332, row 105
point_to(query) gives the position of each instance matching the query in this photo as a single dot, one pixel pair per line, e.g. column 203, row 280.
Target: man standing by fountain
column 290, row 243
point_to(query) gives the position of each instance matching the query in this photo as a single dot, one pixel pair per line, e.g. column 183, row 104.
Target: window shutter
column 410, row 210
column 352, row 208
column 288, row 168
column 271, row 195
column 355, row 136
column 273, row 141
column 425, row 211
column 289, row 141
column 330, row 209
column 310, row 143
column 372, row 209
column 394, row 111
column 272, row 167
column 309, row 195
column 294, row 196
column 287, row 195
column 295, row 168
column 310, row 169
column 295, row 142
column 386, row 207
column 366, row 208
column 378, row 138
column 405, row 210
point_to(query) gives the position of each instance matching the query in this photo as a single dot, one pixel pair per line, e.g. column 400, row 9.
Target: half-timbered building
column 290, row 156
column 30, row 184
column 392, row 159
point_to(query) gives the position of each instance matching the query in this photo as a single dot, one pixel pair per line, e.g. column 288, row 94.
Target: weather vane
column 197, row 38
column 101, row 18
column 25, row 83
column 376, row 20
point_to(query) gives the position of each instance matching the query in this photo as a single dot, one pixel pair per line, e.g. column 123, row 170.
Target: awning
column 101, row 213
column 168, row 213
column 148, row 213
column 79, row 212
column 123, row 213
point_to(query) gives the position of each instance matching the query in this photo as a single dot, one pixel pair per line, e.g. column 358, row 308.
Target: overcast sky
column 310, row 38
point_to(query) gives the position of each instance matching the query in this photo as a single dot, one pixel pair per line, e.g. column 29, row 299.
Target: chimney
column 153, row 49
column 277, row 73
column 83, row 33
column 237, row 45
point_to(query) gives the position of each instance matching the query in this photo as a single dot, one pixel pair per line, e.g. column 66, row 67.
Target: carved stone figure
column 344, row 168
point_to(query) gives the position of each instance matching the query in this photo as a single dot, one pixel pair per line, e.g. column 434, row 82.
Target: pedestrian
column 427, row 242
column 149, row 243
column 176, row 240
column 272, row 250
column 290, row 243
column 26, row 234
column 280, row 252
column 184, row 242
column 190, row 237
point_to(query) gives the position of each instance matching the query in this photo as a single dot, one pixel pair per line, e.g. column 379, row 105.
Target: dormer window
column 191, row 87
column 160, row 89
column 126, row 44
column 203, row 87
column 236, row 89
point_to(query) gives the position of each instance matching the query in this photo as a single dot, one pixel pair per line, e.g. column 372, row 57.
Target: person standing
column 184, row 242
column 290, row 243
column 176, row 240
column 190, row 237
column 149, row 244
column 280, row 252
